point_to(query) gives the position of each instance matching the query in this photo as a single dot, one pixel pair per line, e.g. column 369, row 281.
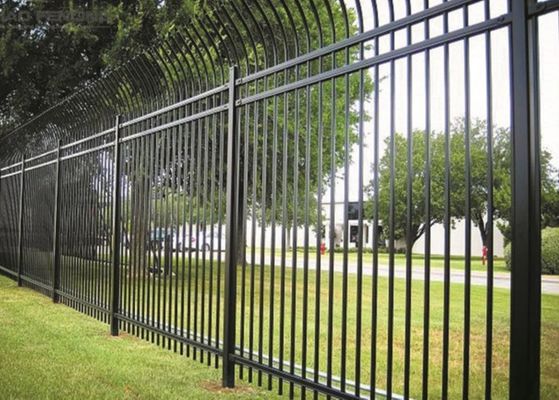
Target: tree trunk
column 482, row 229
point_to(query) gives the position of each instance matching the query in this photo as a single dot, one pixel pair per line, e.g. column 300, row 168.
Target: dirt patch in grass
column 121, row 335
column 215, row 387
column 130, row 393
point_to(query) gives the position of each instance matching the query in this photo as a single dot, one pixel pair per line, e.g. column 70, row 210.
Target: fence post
column 20, row 222
column 526, row 240
column 55, row 230
column 231, row 236
column 115, row 259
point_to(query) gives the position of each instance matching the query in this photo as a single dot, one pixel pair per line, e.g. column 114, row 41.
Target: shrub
column 550, row 252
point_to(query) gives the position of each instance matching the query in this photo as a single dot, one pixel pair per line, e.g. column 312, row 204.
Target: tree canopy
column 501, row 164
column 42, row 62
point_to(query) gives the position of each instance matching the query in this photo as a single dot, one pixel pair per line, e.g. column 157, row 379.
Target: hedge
column 550, row 252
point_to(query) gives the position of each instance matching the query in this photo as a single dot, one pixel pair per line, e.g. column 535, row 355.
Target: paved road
column 550, row 284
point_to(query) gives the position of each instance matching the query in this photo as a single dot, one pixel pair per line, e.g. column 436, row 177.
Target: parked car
column 212, row 241
column 177, row 241
column 159, row 236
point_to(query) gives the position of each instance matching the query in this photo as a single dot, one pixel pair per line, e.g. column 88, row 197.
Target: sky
column 500, row 80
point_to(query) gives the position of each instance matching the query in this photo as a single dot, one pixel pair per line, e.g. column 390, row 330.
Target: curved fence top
column 255, row 35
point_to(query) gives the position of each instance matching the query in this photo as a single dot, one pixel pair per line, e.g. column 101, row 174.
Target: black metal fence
column 213, row 218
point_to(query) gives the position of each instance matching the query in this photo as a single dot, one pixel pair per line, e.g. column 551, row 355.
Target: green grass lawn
column 418, row 260
column 50, row 351
column 437, row 261
column 201, row 315
column 501, row 332
column 203, row 309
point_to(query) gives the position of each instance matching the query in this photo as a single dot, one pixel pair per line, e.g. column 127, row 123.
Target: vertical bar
column 79, row 223
column 409, row 215
column 20, row 222
column 123, row 239
column 75, row 236
column 98, row 220
column 332, row 234
column 489, row 301
column 253, row 235
column 360, row 234
column 185, row 157
column 192, row 169
column 293, row 328
column 198, row 157
column 346, row 236
column 220, row 222
column 129, row 249
column 108, row 201
column 115, row 293
column 526, row 239
column 447, row 220
column 64, row 223
column 179, row 253
column 231, row 238
column 284, row 239
column 273, row 237
column 319, row 239
column 263, row 191
column 135, row 256
column 204, row 231
column 167, row 255
column 467, row 217
column 159, row 218
column 212, row 230
column 391, row 224
column 246, row 148
column 90, row 225
column 375, row 264
column 56, row 229
column 427, row 248
column 304, row 322
column 154, row 156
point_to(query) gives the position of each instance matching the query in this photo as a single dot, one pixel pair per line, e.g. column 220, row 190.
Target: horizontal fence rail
column 266, row 220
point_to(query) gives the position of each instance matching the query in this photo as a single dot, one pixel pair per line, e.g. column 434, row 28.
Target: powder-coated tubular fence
column 198, row 220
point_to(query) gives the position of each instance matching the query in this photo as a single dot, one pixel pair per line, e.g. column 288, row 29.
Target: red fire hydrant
column 323, row 248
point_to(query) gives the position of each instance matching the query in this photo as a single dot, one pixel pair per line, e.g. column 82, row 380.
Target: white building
column 457, row 236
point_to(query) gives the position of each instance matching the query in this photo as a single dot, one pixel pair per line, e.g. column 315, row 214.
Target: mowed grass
column 263, row 295
column 263, row 298
column 50, row 351
column 436, row 260
column 310, row 328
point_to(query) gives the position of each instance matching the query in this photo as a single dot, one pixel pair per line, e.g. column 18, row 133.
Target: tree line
column 442, row 167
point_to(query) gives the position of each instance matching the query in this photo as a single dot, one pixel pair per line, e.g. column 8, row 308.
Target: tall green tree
column 287, row 126
column 393, row 167
column 54, row 59
column 501, row 159
column 477, row 186
column 42, row 62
